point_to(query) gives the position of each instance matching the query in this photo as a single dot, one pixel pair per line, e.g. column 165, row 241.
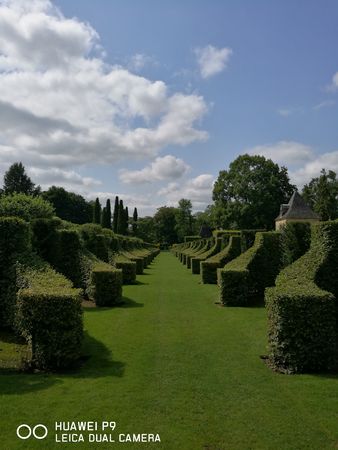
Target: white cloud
column 324, row 104
column 212, row 60
column 284, row 112
column 62, row 105
column 138, row 61
column 46, row 177
column 163, row 168
column 335, row 81
column 284, row 152
column 198, row 190
column 312, row 168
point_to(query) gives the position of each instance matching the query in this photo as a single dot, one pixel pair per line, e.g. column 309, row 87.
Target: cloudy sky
column 150, row 99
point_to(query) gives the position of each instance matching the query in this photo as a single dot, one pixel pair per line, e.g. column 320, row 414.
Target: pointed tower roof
column 297, row 208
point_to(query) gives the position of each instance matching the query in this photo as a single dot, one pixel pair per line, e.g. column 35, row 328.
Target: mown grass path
column 174, row 363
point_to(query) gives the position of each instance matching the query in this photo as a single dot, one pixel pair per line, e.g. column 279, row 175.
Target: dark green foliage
column 107, row 285
column 126, row 220
column 17, row 181
column 95, row 240
column 97, row 212
column 191, row 238
column 44, row 237
column 209, row 266
column 183, row 219
column 116, row 214
column 49, row 316
column 108, row 215
column 322, row 195
column 68, row 205
column 251, row 192
column 165, row 225
column 14, row 241
column 134, row 225
column 25, row 206
column 127, row 266
column 66, row 258
column 302, row 308
column 295, row 241
column 121, row 219
column 243, row 280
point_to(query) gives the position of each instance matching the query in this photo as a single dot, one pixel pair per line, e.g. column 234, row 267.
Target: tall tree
column 184, row 218
column 106, row 217
column 165, row 225
column 17, row 181
column 68, row 205
column 134, row 225
column 146, row 229
column 126, row 220
column 97, row 211
column 121, row 219
column 250, row 192
column 116, row 214
column 322, row 194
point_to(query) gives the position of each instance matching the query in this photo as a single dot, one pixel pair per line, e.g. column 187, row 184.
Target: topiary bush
column 49, row 316
column 243, row 280
column 14, row 242
column 25, row 206
column 302, row 308
column 127, row 266
column 209, row 266
column 106, row 285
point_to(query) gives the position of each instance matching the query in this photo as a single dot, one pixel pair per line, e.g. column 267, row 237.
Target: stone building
column 297, row 210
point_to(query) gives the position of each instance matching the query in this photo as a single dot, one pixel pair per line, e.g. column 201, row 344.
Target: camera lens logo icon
column 24, row 431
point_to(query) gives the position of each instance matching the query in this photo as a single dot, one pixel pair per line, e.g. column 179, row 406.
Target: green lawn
column 173, row 362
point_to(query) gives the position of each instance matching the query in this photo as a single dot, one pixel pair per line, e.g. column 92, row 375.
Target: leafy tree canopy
column 25, row 206
column 250, row 193
column 68, row 205
column 322, row 195
column 17, row 181
column 165, row 224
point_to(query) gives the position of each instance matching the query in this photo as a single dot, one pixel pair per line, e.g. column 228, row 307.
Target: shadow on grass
column 126, row 303
column 96, row 362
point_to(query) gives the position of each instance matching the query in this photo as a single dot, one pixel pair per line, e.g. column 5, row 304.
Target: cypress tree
column 97, row 212
column 135, row 217
column 108, row 215
column 104, row 218
column 120, row 219
column 126, row 220
column 116, row 214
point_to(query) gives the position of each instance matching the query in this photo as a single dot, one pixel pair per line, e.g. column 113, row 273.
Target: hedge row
column 243, row 280
column 302, row 308
column 196, row 260
column 209, row 266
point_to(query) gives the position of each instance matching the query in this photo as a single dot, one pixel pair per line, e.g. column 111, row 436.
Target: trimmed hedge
column 25, row 206
column 302, row 308
column 209, row 266
column 14, row 241
column 243, row 280
column 191, row 238
column 196, row 260
column 102, row 288
column 295, row 241
column 127, row 266
column 49, row 316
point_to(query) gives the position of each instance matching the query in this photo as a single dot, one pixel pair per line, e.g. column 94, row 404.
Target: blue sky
column 150, row 99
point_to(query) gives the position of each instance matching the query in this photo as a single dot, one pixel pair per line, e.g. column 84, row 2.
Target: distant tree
column 165, row 225
column 184, row 219
column 97, row 211
column 68, row 205
column 126, row 220
column 116, row 214
column 146, row 229
column 134, row 225
column 106, row 216
column 17, row 181
column 322, row 195
column 250, row 192
column 121, row 219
